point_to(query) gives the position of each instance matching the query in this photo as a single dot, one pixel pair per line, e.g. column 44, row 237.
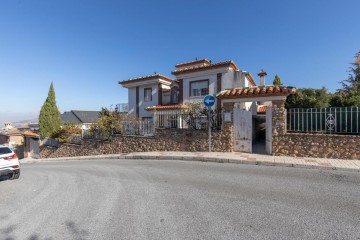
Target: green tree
column 109, row 122
column 277, row 80
column 66, row 130
column 49, row 117
column 353, row 81
column 308, row 98
column 349, row 95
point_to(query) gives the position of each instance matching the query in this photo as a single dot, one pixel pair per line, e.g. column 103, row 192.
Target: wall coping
column 321, row 135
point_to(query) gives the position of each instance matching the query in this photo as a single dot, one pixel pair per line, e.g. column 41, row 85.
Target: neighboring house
column 193, row 80
column 145, row 92
column 8, row 126
column 83, row 118
column 32, row 127
column 12, row 137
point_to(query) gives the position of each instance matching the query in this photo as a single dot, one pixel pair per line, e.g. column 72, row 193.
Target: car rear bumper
column 8, row 171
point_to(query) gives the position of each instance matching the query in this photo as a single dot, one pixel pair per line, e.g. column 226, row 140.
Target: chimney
column 262, row 75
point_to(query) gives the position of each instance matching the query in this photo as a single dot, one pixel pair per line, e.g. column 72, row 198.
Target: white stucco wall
column 143, row 104
column 132, row 100
column 247, row 84
column 186, row 86
column 227, row 80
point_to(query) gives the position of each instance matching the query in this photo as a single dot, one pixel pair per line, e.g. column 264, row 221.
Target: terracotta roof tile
column 205, row 67
column 204, row 61
column 149, row 77
column 165, row 107
column 256, row 92
column 31, row 134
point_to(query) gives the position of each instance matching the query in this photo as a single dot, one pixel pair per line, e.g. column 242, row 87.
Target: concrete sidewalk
column 233, row 157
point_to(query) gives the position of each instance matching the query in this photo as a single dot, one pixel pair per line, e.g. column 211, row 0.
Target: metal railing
column 344, row 120
column 142, row 128
column 177, row 119
column 96, row 135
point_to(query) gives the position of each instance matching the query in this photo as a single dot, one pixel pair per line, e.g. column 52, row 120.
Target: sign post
column 209, row 101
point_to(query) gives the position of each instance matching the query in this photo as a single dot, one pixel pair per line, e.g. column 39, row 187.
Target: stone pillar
column 278, row 118
column 278, row 126
column 228, row 126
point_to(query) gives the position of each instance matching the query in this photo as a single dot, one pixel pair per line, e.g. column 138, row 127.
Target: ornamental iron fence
column 336, row 120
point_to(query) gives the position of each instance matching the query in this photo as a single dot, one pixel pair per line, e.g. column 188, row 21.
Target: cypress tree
column 277, row 80
column 49, row 118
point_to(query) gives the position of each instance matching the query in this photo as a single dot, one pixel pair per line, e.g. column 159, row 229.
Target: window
column 174, row 95
column 199, row 88
column 147, row 94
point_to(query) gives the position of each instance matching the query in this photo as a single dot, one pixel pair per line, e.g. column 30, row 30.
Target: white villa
column 193, row 80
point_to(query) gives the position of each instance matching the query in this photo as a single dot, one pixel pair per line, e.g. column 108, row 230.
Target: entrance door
column 269, row 130
column 34, row 148
column 242, row 130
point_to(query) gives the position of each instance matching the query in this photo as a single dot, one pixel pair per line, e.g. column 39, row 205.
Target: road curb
column 189, row 158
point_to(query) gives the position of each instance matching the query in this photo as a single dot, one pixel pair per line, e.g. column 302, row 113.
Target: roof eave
column 205, row 68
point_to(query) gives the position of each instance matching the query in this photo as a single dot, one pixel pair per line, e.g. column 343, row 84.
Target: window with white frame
column 199, row 88
column 147, row 94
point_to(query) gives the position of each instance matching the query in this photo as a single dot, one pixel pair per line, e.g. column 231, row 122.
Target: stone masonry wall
column 310, row 145
column 317, row 145
column 164, row 140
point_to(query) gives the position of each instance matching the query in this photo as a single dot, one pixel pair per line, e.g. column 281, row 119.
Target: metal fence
column 177, row 119
column 337, row 120
column 142, row 128
column 96, row 135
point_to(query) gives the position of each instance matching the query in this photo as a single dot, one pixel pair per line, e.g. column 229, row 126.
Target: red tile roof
column 201, row 61
column 165, row 107
column 205, row 67
column 31, row 134
column 262, row 91
column 149, row 77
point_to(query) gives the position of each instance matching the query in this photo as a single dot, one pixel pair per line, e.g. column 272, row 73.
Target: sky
column 85, row 46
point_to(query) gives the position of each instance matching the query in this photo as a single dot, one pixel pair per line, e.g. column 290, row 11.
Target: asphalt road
column 148, row 199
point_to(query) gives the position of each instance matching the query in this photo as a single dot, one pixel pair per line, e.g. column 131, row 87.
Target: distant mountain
column 22, row 122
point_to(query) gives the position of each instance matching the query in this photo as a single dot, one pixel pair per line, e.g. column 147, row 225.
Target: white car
column 9, row 163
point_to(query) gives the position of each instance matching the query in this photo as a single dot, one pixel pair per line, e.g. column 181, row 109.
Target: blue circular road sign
column 209, row 100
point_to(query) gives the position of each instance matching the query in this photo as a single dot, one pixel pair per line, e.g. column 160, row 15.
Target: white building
column 193, row 80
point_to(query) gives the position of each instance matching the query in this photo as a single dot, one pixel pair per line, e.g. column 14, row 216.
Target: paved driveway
column 149, row 199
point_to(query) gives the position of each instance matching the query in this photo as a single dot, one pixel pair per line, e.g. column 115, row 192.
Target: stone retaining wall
column 310, row 145
column 317, row 145
column 164, row 140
